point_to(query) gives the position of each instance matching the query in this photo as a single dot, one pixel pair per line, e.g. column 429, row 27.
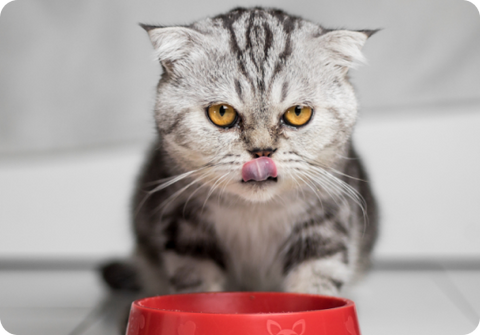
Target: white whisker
column 314, row 190
column 348, row 190
column 342, row 186
column 212, row 188
column 175, row 195
column 298, row 188
column 325, row 186
column 222, row 191
column 171, row 181
column 193, row 193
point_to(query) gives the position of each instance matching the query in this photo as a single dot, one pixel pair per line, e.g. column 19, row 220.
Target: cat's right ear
column 172, row 44
column 344, row 47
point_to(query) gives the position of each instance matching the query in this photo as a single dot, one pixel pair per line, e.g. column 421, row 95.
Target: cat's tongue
column 259, row 169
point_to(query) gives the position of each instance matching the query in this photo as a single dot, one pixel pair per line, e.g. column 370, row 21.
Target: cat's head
column 255, row 82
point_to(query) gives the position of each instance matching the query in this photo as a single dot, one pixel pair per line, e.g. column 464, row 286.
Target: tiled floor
column 389, row 302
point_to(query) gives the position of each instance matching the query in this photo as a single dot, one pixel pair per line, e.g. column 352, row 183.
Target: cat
column 253, row 183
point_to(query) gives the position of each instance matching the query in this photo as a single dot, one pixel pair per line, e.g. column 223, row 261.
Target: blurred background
column 77, row 88
column 77, row 82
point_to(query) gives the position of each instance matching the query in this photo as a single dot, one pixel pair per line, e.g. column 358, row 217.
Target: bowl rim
column 347, row 303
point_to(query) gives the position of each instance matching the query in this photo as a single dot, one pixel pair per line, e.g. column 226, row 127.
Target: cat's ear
column 172, row 44
column 345, row 47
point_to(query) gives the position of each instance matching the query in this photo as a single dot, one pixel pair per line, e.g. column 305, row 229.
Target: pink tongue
column 259, row 169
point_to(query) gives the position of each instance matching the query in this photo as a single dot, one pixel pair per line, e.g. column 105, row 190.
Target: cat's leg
column 172, row 271
column 319, row 256
column 189, row 274
column 192, row 257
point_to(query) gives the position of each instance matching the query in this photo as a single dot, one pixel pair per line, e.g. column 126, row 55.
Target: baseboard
column 379, row 264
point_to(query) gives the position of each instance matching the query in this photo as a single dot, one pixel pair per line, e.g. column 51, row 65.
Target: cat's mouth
column 258, row 170
column 269, row 179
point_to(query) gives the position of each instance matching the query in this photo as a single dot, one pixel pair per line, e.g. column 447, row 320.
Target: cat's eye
column 297, row 115
column 222, row 115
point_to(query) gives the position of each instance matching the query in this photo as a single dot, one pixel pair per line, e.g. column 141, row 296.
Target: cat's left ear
column 172, row 44
column 345, row 47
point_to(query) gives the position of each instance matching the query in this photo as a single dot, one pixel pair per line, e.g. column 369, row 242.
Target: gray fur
column 198, row 226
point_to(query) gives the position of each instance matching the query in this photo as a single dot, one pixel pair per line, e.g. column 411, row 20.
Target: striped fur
column 198, row 226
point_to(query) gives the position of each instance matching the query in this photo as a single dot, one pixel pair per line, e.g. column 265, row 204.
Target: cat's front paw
column 186, row 274
column 322, row 276
column 317, row 285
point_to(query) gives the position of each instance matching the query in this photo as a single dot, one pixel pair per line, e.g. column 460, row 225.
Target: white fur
column 313, row 276
column 345, row 46
column 174, row 43
column 253, row 235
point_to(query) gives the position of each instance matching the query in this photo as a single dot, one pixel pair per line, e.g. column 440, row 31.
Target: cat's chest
column 253, row 238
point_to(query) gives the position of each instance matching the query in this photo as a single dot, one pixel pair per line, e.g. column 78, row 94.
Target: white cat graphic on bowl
column 298, row 328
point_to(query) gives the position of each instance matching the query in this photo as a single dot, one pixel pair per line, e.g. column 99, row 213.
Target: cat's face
column 251, row 83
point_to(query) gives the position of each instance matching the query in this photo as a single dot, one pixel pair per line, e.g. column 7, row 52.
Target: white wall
column 82, row 73
column 424, row 168
column 76, row 93
column 67, row 205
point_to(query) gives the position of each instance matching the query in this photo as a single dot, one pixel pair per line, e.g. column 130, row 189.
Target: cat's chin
column 257, row 191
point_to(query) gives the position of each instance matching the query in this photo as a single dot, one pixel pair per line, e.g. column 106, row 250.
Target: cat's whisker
column 337, row 197
column 334, row 194
column 219, row 193
column 340, row 191
column 212, row 188
column 328, row 185
column 222, row 191
column 168, row 182
column 346, row 175
column 347, row 190
column 313, row 189
column 335, row 187
column 193, row 193
column 316, row 164
column 320, row 182
column 298, row 188
column 165, row 182
column 284, row 201
column 324, row 170
column 345, row 157
column 175, row 195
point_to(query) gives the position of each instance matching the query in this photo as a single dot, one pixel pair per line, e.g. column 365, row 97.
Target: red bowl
column 243, row 313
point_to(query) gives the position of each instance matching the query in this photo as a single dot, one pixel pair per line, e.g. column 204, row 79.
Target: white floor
column 392, row 302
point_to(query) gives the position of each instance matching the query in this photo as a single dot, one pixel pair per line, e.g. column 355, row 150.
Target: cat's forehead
column 256, row 45
column 242, row 20
column 257, row 29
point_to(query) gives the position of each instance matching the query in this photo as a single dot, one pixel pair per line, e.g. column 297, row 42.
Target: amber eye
column 222, row 115
column 297, row 115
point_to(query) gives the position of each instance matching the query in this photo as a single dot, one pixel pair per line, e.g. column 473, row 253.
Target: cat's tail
column 120, row 276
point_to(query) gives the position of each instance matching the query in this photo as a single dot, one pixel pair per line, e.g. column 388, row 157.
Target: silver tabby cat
column 253, row 183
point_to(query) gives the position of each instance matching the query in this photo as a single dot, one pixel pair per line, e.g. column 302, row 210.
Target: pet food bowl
column 243, row 313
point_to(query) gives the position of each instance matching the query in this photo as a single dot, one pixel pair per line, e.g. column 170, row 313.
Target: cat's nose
column 262, row 152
